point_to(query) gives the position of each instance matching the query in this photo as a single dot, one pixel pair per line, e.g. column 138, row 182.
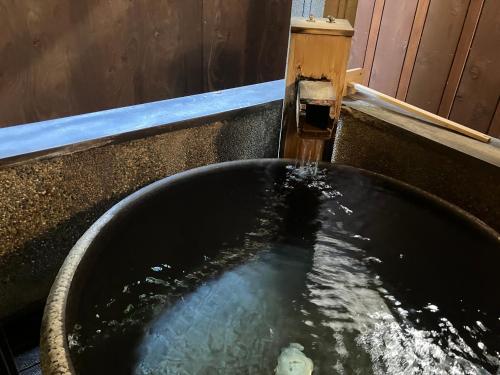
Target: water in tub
column 303, row 296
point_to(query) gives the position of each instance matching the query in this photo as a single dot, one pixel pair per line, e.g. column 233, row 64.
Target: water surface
column 367, row 278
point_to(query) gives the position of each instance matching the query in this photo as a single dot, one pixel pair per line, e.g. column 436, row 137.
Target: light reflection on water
column 234, row 313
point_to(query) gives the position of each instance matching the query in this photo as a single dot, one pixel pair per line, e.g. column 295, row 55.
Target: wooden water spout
column 315, row 80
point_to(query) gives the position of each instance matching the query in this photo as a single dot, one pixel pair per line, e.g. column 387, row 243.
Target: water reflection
column 316, row 271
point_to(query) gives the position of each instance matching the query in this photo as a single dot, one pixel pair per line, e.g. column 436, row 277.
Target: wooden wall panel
column 461, row 55
column 371, row 45
column 445, row 19
column 479, row 91
column 61, row 58
column 495, row 123
column 443, row 57
column 233, row 51
column 412, row 50
column 361, row 32
column 391, row 47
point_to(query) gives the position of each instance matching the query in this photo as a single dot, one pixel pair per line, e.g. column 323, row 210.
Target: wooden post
column 318, row 50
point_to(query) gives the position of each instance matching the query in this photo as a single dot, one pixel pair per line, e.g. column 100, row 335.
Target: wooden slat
column 440, row 36
column 460, row 59
column 411, row 52
column 477, row 96
column 391, row 46
column 361, row 33
column 332, row 8
column 371, row 45
column 423, row 114
column 494, row 130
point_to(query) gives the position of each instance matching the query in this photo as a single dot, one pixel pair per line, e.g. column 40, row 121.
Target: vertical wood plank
column 244, row 41
column 494, row 130
column 411, row 52
column 69, row 57
column 373, row 35
column 392, row 44
column 477, row 96
column 460, row 59
column 361, row 33
column 440, row 36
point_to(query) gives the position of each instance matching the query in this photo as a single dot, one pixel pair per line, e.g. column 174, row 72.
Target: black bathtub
column 434, row 266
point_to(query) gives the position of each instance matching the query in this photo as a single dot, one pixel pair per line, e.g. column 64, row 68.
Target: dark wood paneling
column 391, row 47
column 441, row 33
column 171, row 61
column 62, row 58
column 361, row 33
column 478, row 93
column 234, row 51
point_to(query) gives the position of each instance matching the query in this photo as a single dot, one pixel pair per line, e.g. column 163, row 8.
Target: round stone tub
column 429, row 269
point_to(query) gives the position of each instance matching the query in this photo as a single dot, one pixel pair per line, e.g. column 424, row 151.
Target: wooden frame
column 317, row 50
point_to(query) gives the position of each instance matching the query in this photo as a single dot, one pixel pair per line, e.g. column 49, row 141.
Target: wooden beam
column 423, row 114
column 413, row 44
column 353, row 76
column 378, row 11
column 457, row 68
